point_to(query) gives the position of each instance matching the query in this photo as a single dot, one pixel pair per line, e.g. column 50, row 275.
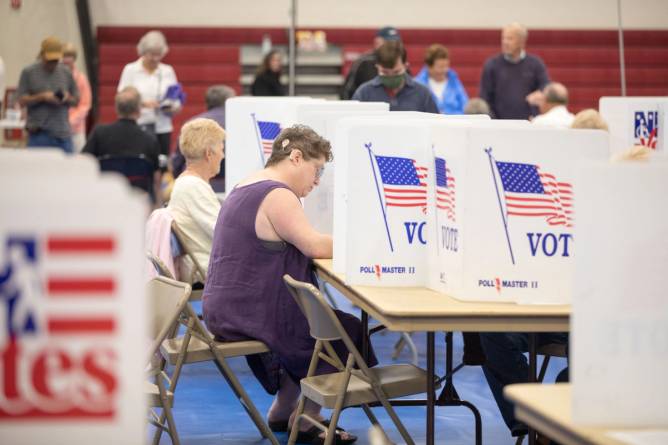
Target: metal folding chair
column 197, row 344
column 354, row 383
column 198, row 273
column 167, row 300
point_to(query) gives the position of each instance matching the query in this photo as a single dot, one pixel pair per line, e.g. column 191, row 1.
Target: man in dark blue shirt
column 512, row 81
column 393, row 85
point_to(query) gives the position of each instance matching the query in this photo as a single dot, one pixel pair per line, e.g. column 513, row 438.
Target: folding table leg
column 431, row 396
column 532, row 377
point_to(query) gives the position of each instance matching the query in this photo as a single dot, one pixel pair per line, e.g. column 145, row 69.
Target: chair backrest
column 160, row 267
column 167, row 299
column 137, row 169
column 181, row 238
column 323, row 322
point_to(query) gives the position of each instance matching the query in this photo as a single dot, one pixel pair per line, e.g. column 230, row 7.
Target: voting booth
column 73, row 314
column 342, row 186
column 381, row 198
column 504, row 206
column 251, row 125
column 322, row 118
column 619, row 335
column 635, row 121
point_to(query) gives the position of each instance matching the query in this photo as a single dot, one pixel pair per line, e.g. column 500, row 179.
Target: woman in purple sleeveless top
column 261, row 234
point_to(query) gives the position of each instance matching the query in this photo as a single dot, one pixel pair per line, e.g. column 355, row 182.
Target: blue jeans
column 44, row 139
column 506, row 364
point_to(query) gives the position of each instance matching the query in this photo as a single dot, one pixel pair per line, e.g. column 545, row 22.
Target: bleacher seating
column 587, row 62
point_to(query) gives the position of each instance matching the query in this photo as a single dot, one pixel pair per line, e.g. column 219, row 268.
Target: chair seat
column 395, row 380
column 152, row 393
column 198, row 350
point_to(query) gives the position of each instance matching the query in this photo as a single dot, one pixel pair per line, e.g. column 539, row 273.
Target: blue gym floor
column 207, row 413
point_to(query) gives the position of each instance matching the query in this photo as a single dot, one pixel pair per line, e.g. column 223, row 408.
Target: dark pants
column 164, row 140
column 506, row 364
column 42, row 139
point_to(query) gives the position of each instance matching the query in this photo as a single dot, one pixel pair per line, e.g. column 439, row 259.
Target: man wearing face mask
column 393, row 85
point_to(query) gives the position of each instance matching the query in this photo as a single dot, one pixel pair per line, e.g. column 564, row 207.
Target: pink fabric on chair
column 158, row 235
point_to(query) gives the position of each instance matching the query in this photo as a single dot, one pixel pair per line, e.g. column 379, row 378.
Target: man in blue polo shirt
column 393, row 85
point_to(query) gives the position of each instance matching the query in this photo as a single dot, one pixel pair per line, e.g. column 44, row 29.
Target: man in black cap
column 364, row 68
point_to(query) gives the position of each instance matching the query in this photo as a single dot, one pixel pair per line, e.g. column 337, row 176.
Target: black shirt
column 268, row 84
column 122, row 138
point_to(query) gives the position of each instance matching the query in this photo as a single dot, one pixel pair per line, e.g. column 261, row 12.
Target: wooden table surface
column 422, row 309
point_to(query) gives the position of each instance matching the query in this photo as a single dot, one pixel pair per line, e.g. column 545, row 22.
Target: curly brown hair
column 302, row 138
column 435, row 52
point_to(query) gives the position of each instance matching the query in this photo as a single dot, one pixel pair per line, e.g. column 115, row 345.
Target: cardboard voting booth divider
column 322, row 117
column 504, row 211
column 345, row 145
column 47, row 162
column 251, row 125
column 72, row 315
column 387, row 164
column 634, row 121
column 619, row 334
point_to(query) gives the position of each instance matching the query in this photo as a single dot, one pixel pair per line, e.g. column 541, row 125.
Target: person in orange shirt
column 78, row 114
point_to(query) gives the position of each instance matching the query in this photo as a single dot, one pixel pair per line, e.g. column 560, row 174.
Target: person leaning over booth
column 193, row 203
column 153, row 79
column 48, row 90
column 393, row 85
column 442, row 81
column 261, row 234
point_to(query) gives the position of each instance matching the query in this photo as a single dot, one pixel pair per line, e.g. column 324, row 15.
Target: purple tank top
column 245, row 296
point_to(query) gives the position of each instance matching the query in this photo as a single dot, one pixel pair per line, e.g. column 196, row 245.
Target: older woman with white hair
column 193, row 203
column 153, row 78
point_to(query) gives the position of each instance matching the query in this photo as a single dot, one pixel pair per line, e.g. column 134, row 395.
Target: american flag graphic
column 268, row 132
column 403, row 182
column 445, row 188
column 646, row 127
column 531, row 192
column 58, row 288
column 59, row 283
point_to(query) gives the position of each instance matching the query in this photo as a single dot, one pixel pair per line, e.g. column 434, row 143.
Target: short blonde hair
column 152, row 40
column 635, row 153
column 197, row 136
column 589, row 118
column 518, row 28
